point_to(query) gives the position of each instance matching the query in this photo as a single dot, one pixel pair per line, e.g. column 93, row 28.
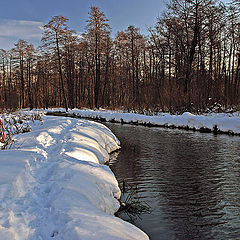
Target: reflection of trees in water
column 128, row 162
column 192, row 179
column 189, row 194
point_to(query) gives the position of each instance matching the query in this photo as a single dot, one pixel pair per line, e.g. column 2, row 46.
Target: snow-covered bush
column 15, row 123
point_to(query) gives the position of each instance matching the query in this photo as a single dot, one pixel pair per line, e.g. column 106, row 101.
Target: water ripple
column 190, row 180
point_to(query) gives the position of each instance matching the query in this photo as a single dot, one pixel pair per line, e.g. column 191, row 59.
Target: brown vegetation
column 190, row 60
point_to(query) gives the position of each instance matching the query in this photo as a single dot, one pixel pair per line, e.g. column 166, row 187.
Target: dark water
column 190, row 180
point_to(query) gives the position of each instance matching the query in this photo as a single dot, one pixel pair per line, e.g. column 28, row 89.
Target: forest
column 189, row 61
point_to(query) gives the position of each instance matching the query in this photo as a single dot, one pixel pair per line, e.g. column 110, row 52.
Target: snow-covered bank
column 218, row 123
column 53, row 184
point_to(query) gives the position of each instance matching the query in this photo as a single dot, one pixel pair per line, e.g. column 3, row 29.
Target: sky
column 22, row 19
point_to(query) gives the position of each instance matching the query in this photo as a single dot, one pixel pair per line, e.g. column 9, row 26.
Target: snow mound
column 53, row 184
column 214, row 122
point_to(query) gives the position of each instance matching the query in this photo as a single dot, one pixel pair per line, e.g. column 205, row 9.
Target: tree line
column 189, row 60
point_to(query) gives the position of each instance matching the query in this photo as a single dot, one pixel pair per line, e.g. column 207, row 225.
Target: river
column 190, row 180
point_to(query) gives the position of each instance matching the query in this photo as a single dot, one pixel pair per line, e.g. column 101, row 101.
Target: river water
column 190, row 180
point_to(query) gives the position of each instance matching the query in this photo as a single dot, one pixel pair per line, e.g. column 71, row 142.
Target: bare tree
column 97, row 36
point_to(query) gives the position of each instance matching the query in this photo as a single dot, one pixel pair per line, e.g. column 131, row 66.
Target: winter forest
column 189, row 60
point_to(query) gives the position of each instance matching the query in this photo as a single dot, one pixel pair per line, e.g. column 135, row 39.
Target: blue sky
column 21, row 19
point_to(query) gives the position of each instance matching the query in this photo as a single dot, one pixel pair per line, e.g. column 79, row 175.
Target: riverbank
column 218, row 123
column 53, row 184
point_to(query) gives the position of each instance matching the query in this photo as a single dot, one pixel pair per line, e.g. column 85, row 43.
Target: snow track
column 53, row 186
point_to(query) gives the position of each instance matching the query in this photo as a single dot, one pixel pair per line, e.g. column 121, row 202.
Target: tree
column 190, row 60
column 20, row 56
column 97, row 37
column 56, row 34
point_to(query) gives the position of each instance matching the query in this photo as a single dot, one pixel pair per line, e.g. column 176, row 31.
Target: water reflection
column 190, row 180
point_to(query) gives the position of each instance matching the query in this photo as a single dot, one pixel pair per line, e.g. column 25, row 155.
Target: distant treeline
column 189, row 60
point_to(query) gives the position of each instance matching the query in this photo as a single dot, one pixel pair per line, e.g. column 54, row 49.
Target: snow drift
column 53, row 184
column 215, row 122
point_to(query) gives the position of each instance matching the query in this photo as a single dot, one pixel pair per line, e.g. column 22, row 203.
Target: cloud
column 13, row 30
column 20, row 29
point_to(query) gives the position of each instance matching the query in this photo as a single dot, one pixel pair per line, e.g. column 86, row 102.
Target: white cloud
column 20, row 29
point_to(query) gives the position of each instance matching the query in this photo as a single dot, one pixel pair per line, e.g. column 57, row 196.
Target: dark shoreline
column 215, row 130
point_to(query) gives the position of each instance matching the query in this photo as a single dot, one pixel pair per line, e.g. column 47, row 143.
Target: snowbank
column 218, row 123
column 53, row 184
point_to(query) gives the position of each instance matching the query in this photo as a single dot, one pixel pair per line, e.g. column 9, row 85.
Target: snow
column 227, row 123
column 53, row 184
